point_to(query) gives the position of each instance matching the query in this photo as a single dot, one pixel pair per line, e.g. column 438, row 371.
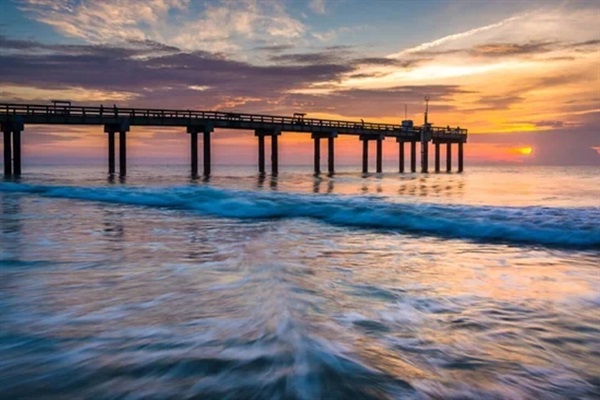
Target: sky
column 522, row 76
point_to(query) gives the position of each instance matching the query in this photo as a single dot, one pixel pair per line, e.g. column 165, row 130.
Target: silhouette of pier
column 119, row 120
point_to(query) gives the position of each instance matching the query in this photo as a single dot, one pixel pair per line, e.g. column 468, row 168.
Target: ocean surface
column 481, row 285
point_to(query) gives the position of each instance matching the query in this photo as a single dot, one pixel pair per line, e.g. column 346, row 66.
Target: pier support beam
column 7, row 151
column 425, row 138
column 330, row 136
column 424, row 157
column 317, row 160
column 274, row 155
column 331, row 155
column 460, row 157
column 11, row 131
column 448, row 157
column 379, row 152
column 206, row 158
column 379, row 161
column 122, row 153
column 365, row 156
column 16, row 152
column 122, row 127
column 274, row 133
column 413, row 156
column 111, row 152
column 261, row 154
column 400, row 155
column 193, row 131
column 437, row 157
column 194, row 153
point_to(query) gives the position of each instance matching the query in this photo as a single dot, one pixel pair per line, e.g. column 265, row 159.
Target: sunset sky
column 522, row 76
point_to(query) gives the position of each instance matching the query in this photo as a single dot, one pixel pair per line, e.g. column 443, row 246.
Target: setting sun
column 525, row 150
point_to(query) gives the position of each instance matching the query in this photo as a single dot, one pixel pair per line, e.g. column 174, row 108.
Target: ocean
column 481, row 285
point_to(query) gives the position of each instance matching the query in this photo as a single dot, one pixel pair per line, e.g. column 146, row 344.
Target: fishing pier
column 117, row 121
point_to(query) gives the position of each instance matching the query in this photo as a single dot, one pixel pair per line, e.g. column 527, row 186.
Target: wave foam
column 559, row 227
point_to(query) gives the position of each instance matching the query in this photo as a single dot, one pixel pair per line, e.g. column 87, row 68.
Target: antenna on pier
column 405, row 108
column 426, row 107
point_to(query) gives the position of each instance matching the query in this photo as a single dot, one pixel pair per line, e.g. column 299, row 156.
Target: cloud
column 511, row 49
column 549, row 124
column 456, row 37
column 221, row 26
column 308, row 58
column 104, row 71
column 317, row 6
column 277, row 48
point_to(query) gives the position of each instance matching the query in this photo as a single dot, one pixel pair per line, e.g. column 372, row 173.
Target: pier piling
column 413, row 156
column 206, row 158
column 330, row 155
column 122, row 153
column 317, row 160
column 437, row 157
column 365, row 156
column 460, row 156
column 274, row 133
column 261, row 154
column 400, row 155
column 194, row 153
column 7, row 151
column 11, row 131
column 111, row 129
column 379, row 161
column 274, row 155
column 16, row 139
column 448, row 157
column 111, row 152
column 330, row 136
column 194, row 130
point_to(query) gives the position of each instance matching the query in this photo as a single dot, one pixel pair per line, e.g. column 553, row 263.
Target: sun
column 525, row 150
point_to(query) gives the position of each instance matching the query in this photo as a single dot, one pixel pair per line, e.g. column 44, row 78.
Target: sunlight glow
column 525, row 150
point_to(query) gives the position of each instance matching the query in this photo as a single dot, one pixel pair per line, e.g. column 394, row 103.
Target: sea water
column 484, row 284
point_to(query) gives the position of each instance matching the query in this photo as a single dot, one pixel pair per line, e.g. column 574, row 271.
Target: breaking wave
column 547, row 226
